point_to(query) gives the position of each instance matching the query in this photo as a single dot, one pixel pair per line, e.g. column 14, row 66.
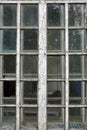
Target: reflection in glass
column 9, row 14
column 30, row 15
column 9, row 114
column 75, row 39
column 76, row 14
column 29, row 39
column 75, row 66
column 54, row 66
column 54, row 115
column 30, row 66
column 75, row 114
column 55, row 39
column 9, row 64
column 30, row 115
column 30, row 92
column 55, row 15
column 8, row 40
column 54, row 92
column 75, row 89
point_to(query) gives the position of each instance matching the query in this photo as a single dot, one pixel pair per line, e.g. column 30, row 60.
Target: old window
column 43, row 64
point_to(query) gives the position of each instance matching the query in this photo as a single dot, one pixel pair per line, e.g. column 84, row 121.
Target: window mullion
column 18, row 70
column 66, row 69
column 42, row 112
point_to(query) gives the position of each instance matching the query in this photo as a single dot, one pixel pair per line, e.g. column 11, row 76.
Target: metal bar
column 18, row 1
column 66, row 70
column 42, row 112
column 24, row 28
column 18, row 70
column 67, row 1
column 8, row 27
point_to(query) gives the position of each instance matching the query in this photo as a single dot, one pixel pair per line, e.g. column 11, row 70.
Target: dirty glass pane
column 29, row 39
column 85, row 40
column 76, row 40
column 55, row 15
column 8, row 15
column 9, row 114
column 54, row 92
column 85, row 68
column 29, row 92
column 29, row 66
column 30, row 116
column 75, row 92
column 54, row 67
column 9, row 65
column 8, row 40
column 76, row 14
column 75, row 67
column 55, row 40
column 29, row 13
column 75, row 114
column 54, row 115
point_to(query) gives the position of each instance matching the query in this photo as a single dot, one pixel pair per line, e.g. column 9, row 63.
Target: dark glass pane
column 55, row 15
column 8, row 40
column 30, row 116
column 29, row 38
column 9, row 88
column 75, row 39
column 29, row 14
column 75, row 67
column 55, row 39
column 30, row 92
column 54, row 92
column 54, row 115
column 9, row 15
column 76, row 14
column 30, row 66
column 9, row 114
column 54, row 67
column 9, row 64
column 75, row 89
column 75, row 114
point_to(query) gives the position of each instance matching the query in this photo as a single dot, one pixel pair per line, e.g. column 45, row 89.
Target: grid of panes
column 58, row 55
column 8, row 33
column 28, row 62
column 77, row 62
column 55, row 63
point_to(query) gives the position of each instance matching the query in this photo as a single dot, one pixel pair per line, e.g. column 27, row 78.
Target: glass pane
column 30, row 92
column 75, row 114
column 75, row 67
column 55, row 15
column 75, row 92
column 76, row 14
column 55, row 39
column 85, row 40
column 8, row 14
column 54, row 67
column 76, row 39
column 54, row 115
column 29, row 39
column 9, row 114
column 30, row 65
column 8, row 40
column 54, row 92
column 9, row 65
column 30, row 115
column 29, row 13
column 85, row 68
